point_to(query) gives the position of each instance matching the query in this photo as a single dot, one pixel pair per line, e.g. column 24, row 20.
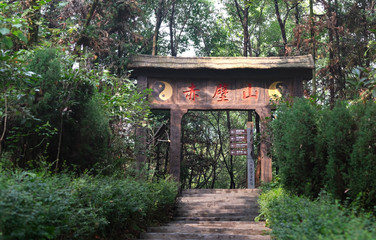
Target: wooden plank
column 147, row 61
column 239, row 145
column 238, row 138
column 238, row 132
column 238, row 152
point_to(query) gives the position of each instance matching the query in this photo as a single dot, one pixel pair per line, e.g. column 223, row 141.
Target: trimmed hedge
column 292, row 217
column 40, row 206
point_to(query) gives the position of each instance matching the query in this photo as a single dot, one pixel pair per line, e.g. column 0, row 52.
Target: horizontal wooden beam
column 220, row 63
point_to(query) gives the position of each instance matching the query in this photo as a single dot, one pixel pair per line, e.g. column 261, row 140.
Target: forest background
column 67, row 101
column 66, row 96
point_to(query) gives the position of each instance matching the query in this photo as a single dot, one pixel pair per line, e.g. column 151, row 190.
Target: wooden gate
column 221, row 83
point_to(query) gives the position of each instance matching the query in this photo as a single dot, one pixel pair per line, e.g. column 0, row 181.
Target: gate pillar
column 141, row 132
column 176, row 115
column 266, row 161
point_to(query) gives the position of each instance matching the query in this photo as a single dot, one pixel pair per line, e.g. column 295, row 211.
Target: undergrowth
column 293, row 217
column 36, row 205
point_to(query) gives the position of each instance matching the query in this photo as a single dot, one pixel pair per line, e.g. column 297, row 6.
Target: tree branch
column 5, row 121
column 239, row 10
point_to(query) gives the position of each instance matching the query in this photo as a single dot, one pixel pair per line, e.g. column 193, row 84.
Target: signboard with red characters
column 209, row 93
column 181, row 84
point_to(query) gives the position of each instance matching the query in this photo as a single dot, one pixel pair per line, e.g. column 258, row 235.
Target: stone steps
column 213, row 214
column 220, row 191
column 176, row 236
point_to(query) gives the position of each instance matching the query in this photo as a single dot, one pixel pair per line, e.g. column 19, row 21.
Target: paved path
column 213, row 214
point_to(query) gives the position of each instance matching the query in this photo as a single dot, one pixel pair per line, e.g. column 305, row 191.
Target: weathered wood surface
column 166, row 62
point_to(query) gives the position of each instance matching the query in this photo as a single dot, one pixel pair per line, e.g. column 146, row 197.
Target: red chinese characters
column 221, row 92
column 249, row 93
column 191, row 92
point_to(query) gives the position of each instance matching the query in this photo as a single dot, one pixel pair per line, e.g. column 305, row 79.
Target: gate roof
column 221, row 63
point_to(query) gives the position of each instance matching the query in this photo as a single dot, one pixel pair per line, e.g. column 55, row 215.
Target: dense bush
column 293, row 217
column 339, row 128
column 42, row 206
column 362, row 171
column 54, row 107
column 68, row 101
column 55, row 114
column 317, row 147
column 297, row 148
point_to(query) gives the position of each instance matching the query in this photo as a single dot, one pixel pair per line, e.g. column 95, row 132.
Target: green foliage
column 339, row 126
column 362, row 83
column 12, row 25
column 47, row 63
column 332, row 149
column 297, row 148
column 37, row 205
column 292, row 217
column 78, row 127
column 53, row 109
column 362, row 171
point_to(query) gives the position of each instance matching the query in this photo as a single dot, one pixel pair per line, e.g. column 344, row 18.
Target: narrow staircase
column 213, row 214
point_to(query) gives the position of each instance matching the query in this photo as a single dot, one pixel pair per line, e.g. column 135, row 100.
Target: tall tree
column 313, row 42
column 243, row 14
column 172, row 21
column 159, row 15
column 283, row 19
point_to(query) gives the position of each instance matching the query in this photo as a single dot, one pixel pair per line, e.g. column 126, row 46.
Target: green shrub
column 297, row 147
column 362, row 170
column 64, row 99
column 42, row 206
column 339, row 128
column 292, row 217
column 319, row 148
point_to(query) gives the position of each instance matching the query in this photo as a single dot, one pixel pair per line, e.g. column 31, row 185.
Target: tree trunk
column 297, row 15
column 83, row 39
column 231, row 172
column 172, row 19
column 60, row 141
column 281, row 26
column 243, row 15
column 33, row 19
column 341, row 80
column 246, row 39
column 258, row 165
column 214, row 176
column 313, row 41
column 4, row 120
column 158, row 20
column 331, row 55
column 165, row 170
column 157, row 172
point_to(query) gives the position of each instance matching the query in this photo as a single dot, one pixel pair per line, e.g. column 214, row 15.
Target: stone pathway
column 213, row 214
